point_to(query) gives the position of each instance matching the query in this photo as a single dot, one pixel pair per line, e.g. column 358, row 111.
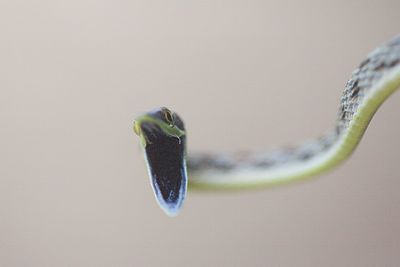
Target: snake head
column 163, row 140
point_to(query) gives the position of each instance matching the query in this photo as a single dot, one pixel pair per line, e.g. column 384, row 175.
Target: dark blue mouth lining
column 166, row 160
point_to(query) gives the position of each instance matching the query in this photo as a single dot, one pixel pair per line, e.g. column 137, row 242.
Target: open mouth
column 167, row 167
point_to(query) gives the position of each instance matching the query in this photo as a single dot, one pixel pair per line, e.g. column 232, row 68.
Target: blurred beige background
column 243, row 74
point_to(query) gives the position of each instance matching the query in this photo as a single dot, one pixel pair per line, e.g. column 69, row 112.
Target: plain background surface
column 244, row 75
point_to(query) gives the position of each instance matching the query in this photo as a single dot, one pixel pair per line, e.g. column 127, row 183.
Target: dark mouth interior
column 165, row 156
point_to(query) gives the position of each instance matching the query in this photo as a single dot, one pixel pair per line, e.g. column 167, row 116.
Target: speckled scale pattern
column 367, row 74
column 370, row 71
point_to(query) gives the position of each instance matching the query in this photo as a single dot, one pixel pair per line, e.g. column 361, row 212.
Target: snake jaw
column 165, row 157
column 164, row 146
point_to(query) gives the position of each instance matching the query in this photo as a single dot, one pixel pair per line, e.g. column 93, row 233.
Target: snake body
column 376, row 78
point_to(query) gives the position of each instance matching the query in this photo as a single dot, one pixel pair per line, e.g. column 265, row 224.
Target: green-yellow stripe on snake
column 377, row 77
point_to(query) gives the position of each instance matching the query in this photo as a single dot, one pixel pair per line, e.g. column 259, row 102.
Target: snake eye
column 168, row 117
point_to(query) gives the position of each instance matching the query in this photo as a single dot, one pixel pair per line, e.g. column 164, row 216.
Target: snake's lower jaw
column 168, row 179
column 166, row 164
column 172, row 203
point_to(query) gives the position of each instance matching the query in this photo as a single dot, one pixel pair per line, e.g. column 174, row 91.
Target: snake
column 171, row 168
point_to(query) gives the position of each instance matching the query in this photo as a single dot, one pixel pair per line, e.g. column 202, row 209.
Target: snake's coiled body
column 163, row 138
